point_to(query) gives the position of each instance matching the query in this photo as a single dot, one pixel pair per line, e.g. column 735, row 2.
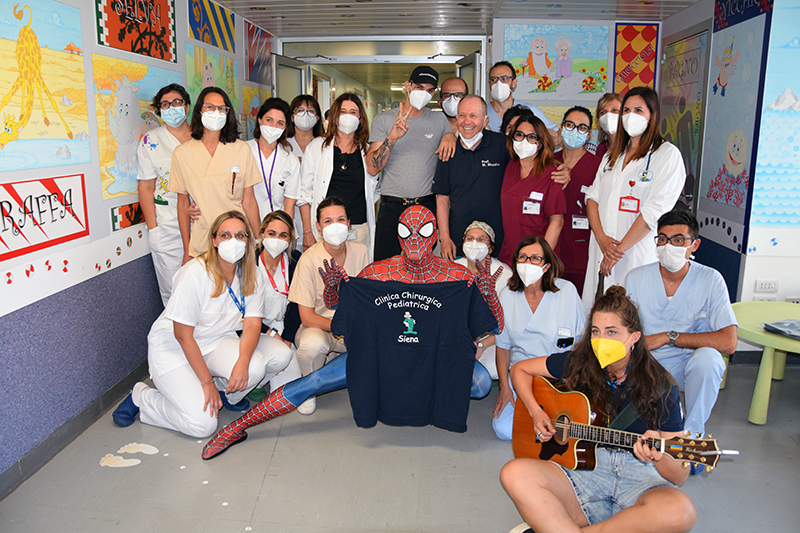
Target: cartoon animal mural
column 727, row 68
column 538, row 63
column 730, row 183
column 29, row 64
column 126, row 125
column 208, row 75
column 150, row 120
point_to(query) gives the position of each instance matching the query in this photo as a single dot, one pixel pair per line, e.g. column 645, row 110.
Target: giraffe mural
column 29, row 64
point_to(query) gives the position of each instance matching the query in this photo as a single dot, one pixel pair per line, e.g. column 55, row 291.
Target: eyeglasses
column 458, row 96
column 675, row 240
column 533, row 259
column 483, row 239
column 569, row 126
column 305, row 112
column 210, row 108
column 226, row 235
column 531, row 137
column 504, row 79
column 178, row 102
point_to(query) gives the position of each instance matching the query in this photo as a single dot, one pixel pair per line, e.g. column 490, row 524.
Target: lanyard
column 649, row 154
column 268, row 183
column 283, row 273
column 239, row 305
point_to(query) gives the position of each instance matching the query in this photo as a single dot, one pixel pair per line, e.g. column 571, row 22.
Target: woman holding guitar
column 626, row 491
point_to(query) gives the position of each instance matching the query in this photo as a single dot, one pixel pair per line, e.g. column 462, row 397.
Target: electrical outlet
column 764, row 299
column 794, row 300
column 766, row 285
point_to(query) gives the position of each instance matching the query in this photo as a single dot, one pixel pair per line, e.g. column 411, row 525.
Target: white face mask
column 214, row 120
column 529, row 274
column 450, row 106
column 501, row 91
column 475, row 251
column 335, row 234
column 469, row 143
column 348, row 123
column 305, row 122
column 634, row 124
column 232, row 250
column 419, row 99
column 671, row 257
column 609, row 123
column 270, row 133
column 275, row 247
column 525, row 149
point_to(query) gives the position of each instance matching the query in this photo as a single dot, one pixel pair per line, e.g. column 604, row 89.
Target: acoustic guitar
column 574, row 444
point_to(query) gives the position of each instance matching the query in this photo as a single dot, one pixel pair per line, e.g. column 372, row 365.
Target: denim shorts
column 615, row 484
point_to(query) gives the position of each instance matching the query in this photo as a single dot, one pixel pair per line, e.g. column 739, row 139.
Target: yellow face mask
column 609, row 351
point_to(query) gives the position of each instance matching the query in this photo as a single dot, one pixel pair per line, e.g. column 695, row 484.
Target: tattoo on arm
column 382, row 154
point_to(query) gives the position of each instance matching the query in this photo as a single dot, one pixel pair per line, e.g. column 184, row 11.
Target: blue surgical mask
column 573, row 139
column 174, row 116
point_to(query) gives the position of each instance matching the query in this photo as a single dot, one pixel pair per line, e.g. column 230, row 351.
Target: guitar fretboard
column 601, row 435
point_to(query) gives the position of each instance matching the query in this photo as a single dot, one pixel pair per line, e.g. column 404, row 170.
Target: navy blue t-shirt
column 668, row 413
column 473, row 181
column 410, row 350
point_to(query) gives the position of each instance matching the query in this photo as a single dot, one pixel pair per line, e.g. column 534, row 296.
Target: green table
column 751, row 316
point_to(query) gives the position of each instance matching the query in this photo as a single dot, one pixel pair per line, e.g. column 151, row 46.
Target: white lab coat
column 317, row 169
column 666, row 173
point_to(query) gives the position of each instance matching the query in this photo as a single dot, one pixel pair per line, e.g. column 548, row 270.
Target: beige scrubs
column 208, row 181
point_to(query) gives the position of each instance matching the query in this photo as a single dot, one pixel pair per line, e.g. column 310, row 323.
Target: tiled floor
column 322, row 474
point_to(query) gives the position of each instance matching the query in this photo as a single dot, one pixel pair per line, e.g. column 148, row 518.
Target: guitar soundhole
column 562, row 428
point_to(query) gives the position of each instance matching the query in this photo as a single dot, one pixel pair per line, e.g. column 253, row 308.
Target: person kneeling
column 627, row 491
column 196, row 359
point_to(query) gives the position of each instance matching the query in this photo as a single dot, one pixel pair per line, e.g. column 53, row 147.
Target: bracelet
column 207, row 382
column 307, row 231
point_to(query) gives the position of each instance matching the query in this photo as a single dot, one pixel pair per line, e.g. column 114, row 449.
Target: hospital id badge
column 580, row 222
column 531, row 208
column 629, row 204
column 645, row 175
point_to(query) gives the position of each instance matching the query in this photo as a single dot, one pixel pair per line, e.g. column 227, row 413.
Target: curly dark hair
column 644, row 377
column 229, row 132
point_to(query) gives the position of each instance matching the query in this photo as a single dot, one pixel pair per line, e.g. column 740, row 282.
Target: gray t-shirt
column 412, row 163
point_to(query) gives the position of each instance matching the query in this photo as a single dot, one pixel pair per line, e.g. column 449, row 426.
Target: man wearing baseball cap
column 404, row 144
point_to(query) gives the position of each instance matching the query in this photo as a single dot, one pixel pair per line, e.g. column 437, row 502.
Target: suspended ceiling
column 331, row 18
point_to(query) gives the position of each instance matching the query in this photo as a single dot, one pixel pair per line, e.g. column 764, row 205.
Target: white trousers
column 315, row 347
column 177, row 402
column 166, row 250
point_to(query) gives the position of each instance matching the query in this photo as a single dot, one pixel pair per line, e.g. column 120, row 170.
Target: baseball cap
column 425, row 74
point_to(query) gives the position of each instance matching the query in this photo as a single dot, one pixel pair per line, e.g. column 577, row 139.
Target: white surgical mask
column 305, row 122
column 634, row 124
column 419, row 99
column 274, row 247
column 214, row 120
column 450, row 106
column 525, row 149
column 270, row 133
column 348, row 123
column 232, row 250
column 335, row 234
column 174, row 116
column 469, row 143
column 529, row 274
column 671, row 257
column 501, row 91
column 475, row 251
column 609, row 123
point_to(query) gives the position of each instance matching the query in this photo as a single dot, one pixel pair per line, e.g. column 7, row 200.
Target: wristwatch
column 673, row 336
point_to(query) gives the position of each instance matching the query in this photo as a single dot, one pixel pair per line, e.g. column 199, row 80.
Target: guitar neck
column 613, row 437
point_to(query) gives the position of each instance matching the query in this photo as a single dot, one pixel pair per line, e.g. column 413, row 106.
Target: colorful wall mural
column 146, row 28
column 42, row 87
column 210, row 69
column 252, row 98
column 635, row 55
column 258, row 50
column 212, row 24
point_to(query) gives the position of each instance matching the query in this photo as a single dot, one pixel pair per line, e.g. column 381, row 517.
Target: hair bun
column 616, row 290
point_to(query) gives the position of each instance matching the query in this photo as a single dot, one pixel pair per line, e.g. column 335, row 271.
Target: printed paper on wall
column 635, row 57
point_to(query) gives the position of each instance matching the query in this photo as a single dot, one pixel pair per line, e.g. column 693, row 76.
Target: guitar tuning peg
column 699, row 435
column 710, row 468
column 709, row 436
column 686, row 464
column 687, row 433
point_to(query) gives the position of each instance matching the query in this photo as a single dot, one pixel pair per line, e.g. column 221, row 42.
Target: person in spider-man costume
column 418, row 235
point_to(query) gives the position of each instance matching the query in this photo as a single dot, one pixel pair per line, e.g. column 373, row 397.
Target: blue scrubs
column 700, row 305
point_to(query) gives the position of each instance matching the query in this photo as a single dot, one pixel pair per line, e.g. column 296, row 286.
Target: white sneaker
column 308, row 407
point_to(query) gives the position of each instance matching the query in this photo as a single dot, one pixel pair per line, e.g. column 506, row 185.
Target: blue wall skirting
column 60, row 354
column 723, row 259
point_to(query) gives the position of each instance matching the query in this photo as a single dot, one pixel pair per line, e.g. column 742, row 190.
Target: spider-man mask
column 417, row 232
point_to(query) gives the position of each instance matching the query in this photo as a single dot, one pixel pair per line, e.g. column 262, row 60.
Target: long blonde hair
column 247, row 263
